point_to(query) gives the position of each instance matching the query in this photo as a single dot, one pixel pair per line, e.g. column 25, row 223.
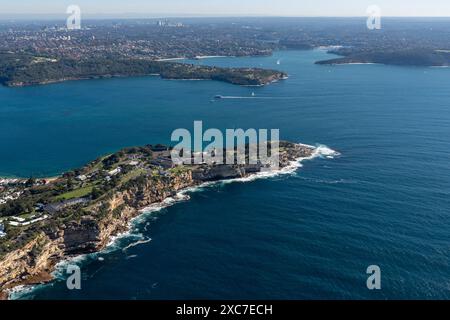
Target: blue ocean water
column 308, row 235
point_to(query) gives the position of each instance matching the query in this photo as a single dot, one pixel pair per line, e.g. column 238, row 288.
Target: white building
column 2, row 230
column 82, row 178
column 115, row 171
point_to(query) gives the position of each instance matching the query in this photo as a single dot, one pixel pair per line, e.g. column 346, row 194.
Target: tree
column 30, row 182
column 96, row 193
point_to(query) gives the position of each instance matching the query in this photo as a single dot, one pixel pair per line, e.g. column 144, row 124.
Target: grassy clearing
column 179, row 170
column 79, row 193
column 131, row 175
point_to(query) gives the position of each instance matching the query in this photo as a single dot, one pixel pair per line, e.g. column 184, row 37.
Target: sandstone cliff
column 34, row 263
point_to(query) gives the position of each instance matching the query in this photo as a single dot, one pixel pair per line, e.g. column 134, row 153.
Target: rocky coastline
column 101, row 219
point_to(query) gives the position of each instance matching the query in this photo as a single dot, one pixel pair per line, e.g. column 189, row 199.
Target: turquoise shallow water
column 312, row 234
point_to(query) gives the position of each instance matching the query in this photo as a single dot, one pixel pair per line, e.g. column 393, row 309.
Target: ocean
column 309, row 234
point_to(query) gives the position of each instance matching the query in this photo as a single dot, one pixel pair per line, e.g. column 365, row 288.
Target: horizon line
column 88, row 16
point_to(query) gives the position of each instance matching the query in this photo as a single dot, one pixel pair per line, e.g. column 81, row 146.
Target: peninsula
column 25, row 70
column 46, row 221
column 416, row 57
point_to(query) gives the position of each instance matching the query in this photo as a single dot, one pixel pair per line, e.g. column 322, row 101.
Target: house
column 39, row 207
column 82, row 178
column 115, row 171
column 18, row 219
column 31, row 221
column 165, row 163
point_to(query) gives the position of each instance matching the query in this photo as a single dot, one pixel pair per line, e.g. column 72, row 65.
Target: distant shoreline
column 50, row 72
column 194, row 58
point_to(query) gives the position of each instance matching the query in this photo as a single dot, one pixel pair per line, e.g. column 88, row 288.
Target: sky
column 155, row 8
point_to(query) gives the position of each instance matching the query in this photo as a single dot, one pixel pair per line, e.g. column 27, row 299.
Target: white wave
column 20, row 291
column 324, row 151
column 137, row 243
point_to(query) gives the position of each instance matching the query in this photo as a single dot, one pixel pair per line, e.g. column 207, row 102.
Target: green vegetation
column 17, row 238
column 132, row 175
column 21, row 69
column 179, row 170
column 416, row 57
column 17, row 207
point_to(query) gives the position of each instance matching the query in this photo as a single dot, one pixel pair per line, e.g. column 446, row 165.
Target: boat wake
column 251, row 98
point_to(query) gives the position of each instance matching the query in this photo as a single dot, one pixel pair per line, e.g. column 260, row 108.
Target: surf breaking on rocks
column 137, row 238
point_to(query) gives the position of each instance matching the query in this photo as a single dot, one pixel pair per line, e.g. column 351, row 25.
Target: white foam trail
column 113, row 243
column 327, row 48
column 211, row 57
column 255, row 98
column 357, row 63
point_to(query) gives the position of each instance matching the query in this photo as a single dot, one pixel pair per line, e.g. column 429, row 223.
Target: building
column 165, row 163
column 167, row 23
column 31, row 221
column 54, row 208
column 82, row 178
column 39, row 207
column 115, row 171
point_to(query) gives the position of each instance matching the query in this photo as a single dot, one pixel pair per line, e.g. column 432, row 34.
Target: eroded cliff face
column 34, row 263
column 126, row 205
column 31, row 264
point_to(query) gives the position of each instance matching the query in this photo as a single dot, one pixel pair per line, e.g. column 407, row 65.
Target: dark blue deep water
column 308, row 235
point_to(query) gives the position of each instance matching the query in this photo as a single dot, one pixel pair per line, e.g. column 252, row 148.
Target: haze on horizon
column 158, row 8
